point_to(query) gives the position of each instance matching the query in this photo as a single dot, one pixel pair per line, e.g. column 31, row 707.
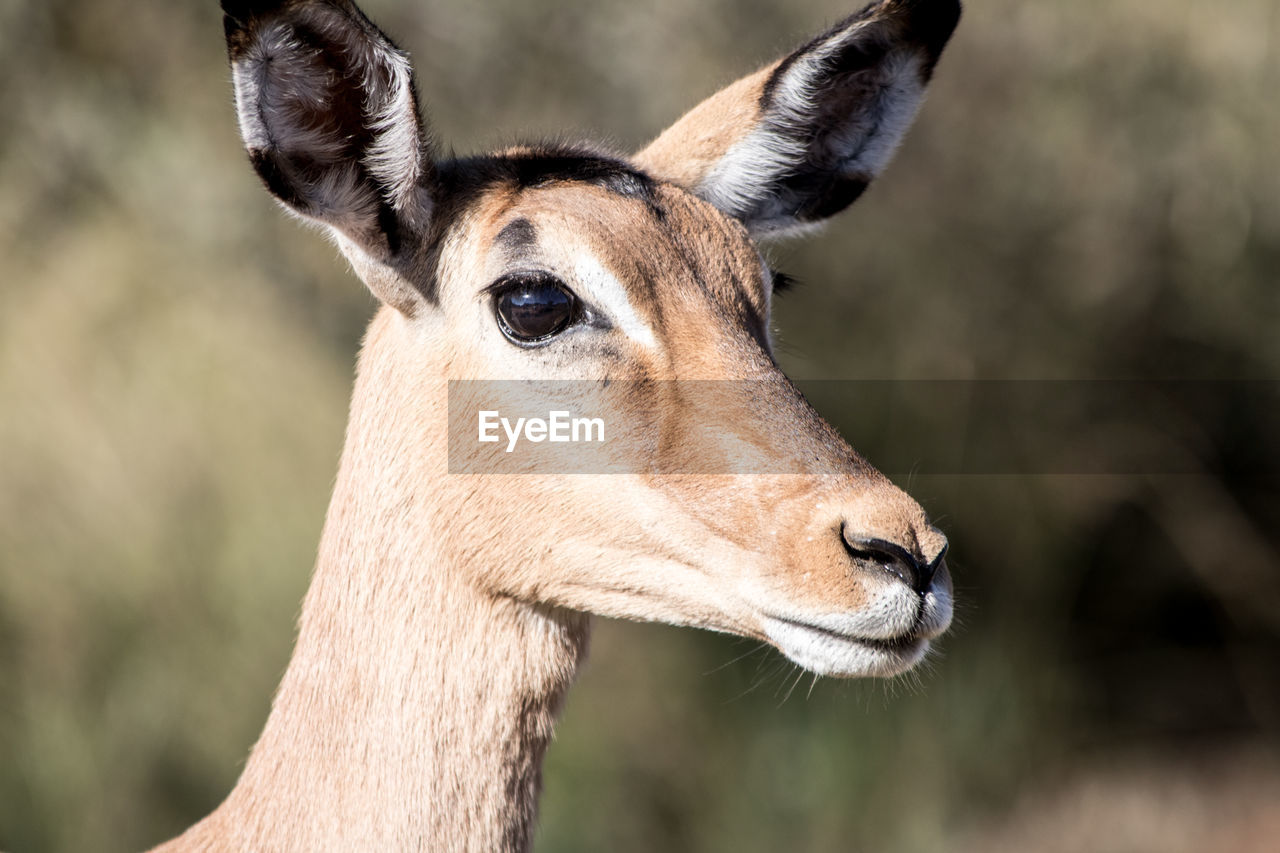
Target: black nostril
column 894, row 559
column 924, row 577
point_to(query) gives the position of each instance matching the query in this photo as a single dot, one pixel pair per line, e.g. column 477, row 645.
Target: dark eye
column 533, row 308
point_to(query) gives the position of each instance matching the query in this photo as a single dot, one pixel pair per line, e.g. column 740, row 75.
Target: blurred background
column 1091, row 192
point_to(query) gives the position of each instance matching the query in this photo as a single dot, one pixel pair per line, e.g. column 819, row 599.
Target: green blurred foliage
column 1090, row 192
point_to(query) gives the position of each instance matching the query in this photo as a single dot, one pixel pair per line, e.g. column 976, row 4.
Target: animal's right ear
column 799, row 140
column 329, row 117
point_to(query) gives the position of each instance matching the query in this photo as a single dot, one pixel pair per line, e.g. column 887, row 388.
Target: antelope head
column 567, row 262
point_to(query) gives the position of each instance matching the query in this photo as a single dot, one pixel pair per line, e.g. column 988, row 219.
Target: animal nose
column 880, row 554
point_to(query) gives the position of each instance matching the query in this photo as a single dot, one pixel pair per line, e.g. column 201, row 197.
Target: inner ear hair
column 329, row 117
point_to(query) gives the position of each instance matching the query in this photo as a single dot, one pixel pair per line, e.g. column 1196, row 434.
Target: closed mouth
column 903, row 643
column 887, row 635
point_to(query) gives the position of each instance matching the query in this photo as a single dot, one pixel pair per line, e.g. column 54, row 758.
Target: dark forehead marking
column 535, row 167
column 516, row 236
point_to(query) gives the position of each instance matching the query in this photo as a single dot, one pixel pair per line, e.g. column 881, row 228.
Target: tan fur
column 447, row 613
column 687, row 150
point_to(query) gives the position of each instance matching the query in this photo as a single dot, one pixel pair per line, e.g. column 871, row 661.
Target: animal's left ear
column 799, row 140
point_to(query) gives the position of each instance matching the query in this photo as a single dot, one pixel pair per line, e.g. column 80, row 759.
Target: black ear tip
column 239, row 19
column 931, row 22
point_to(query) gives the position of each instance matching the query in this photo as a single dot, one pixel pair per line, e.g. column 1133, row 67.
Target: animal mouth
column 845, row 653
column 903, row 643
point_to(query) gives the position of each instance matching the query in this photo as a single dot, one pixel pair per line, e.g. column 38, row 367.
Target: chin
column 828, row 653
column 885, row 639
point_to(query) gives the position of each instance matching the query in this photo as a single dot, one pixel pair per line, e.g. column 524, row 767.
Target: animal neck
column 417, row 707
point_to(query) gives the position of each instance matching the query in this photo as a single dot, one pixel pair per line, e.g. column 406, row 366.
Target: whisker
column 756, row 650
column 799, row 678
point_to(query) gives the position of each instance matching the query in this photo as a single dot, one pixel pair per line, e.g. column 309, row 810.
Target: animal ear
column 329, row 117
column 799, row 140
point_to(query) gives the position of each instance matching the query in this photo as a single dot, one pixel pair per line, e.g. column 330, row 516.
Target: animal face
column 737, row 508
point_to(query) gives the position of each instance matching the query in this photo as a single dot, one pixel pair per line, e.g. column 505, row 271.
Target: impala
column 447, row 614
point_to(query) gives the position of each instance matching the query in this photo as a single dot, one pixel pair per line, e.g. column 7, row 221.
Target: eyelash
column 783, row 282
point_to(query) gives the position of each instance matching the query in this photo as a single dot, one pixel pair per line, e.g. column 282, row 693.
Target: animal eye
column 533, row 308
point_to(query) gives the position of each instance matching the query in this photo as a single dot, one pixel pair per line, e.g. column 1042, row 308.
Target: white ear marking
column 252, row 130
column 394, row 157
column 743, row 180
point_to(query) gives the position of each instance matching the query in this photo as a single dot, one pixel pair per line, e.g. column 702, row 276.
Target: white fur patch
column 854, row 643
column 394, row 157
column 740, row 181
column 244, row 77
column 603, row 289
column 830, row 654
